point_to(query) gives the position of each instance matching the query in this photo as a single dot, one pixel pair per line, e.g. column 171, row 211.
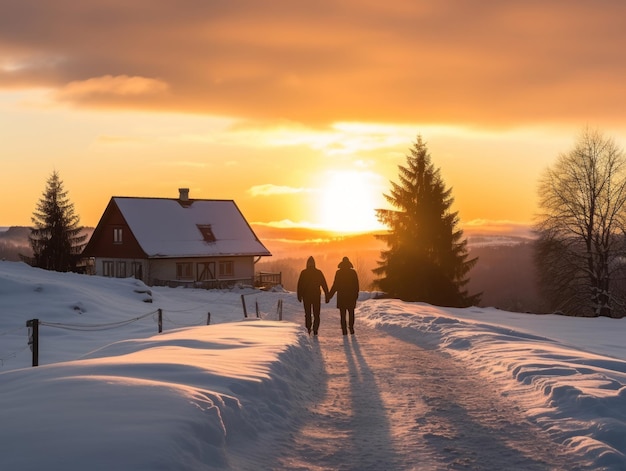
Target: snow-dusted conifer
column 426, row 257
column 57, row 238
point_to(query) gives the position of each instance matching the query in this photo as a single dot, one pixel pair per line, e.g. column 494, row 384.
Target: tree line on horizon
column 580, row 252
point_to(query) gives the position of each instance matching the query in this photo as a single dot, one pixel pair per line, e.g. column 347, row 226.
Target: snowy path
column 363, row 417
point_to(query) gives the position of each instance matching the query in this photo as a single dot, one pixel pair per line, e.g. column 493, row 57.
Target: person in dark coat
column 309, row 284
column 346, row 285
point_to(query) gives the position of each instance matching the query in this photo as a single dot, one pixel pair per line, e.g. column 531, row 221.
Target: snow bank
column 193, row 399
column 216, row 396
column 578, row 394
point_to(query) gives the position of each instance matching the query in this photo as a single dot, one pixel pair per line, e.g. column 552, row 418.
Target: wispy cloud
column 269, row 189
column 110, row 139
column 121, row 85
column 185, row 164
column 288, row 224
column 503, row 227
column 492, row 64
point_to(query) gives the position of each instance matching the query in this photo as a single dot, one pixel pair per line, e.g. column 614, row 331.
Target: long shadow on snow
column 372, row 444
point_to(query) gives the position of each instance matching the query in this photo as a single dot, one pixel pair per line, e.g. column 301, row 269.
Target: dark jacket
column 346, row 285
column 310, row 282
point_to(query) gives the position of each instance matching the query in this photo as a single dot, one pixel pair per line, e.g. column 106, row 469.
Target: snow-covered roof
column 164, row 227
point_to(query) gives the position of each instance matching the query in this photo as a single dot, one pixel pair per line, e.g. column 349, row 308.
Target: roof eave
column 256, row 254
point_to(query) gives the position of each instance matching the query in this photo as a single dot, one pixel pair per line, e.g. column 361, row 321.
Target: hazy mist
column 504, row 273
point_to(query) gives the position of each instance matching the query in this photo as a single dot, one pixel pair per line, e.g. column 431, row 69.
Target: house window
column 107, row 268
column 121, row 270
column 226, row 268
column 184, row 271
column 207, row 232
column 117, row 235
column 137, row 270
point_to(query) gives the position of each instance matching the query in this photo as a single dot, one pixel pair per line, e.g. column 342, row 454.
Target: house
column 169, row 241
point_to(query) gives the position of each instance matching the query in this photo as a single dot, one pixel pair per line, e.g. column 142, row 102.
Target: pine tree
column 426, row 255
column 56, row 237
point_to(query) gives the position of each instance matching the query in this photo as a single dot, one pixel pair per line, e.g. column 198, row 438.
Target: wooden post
column 33, row 341
column 279, row 310
column 243, row 302
column 256, row 304
column 208, row 319
column 160, row 320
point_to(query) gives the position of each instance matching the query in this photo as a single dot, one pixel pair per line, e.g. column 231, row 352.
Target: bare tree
column 581, row 249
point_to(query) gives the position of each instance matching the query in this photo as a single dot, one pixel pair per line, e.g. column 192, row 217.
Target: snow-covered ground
column 113, row 393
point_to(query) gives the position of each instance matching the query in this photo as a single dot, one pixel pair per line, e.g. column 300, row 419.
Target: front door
column 205, row 271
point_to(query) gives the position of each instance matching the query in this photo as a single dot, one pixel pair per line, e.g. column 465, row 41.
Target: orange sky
column 301, row 111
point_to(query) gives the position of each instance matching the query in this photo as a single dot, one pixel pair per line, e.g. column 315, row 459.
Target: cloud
column 185, row 164
column 503, row 227
column 288, row 224
column 269, row 189
column 121, row 85
column 492, row 64
column 111, row 139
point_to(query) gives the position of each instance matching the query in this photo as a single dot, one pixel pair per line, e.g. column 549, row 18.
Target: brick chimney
column 183, row 194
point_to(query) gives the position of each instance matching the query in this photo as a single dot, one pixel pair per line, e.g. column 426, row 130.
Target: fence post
column 160, row 320
column 33, row 341
column 243, row 302
column 208, row 319
column 280, row 309
column 256, row 304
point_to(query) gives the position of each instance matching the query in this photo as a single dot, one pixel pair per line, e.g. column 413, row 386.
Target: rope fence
column 33, row 326
column 157, row 315
column 259, row 313
column 96, row 327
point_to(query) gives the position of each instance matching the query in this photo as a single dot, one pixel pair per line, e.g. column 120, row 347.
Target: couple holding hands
column 346, row 285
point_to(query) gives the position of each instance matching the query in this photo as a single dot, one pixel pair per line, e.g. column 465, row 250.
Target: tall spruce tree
column 426, row 257
column 56, row 238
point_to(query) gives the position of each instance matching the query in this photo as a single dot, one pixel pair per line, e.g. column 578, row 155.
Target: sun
column 349, row 200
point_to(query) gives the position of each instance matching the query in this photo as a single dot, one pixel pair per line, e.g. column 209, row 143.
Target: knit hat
column 345, row 263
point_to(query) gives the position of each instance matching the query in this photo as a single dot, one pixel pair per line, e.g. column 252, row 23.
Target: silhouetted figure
column 309, row 284
column 346, row 285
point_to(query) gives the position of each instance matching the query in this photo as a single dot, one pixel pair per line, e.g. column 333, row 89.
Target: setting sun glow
column 349, row 202
column 301, row 129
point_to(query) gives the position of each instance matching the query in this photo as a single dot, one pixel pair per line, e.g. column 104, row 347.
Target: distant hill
column 285, row 239
column 286, row 242
column 13, row 242
column 15, row 233
column 494, row 240
column 504, row 272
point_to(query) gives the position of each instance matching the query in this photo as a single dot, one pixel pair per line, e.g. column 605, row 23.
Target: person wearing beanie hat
column 346, row 285
column 309, row 284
